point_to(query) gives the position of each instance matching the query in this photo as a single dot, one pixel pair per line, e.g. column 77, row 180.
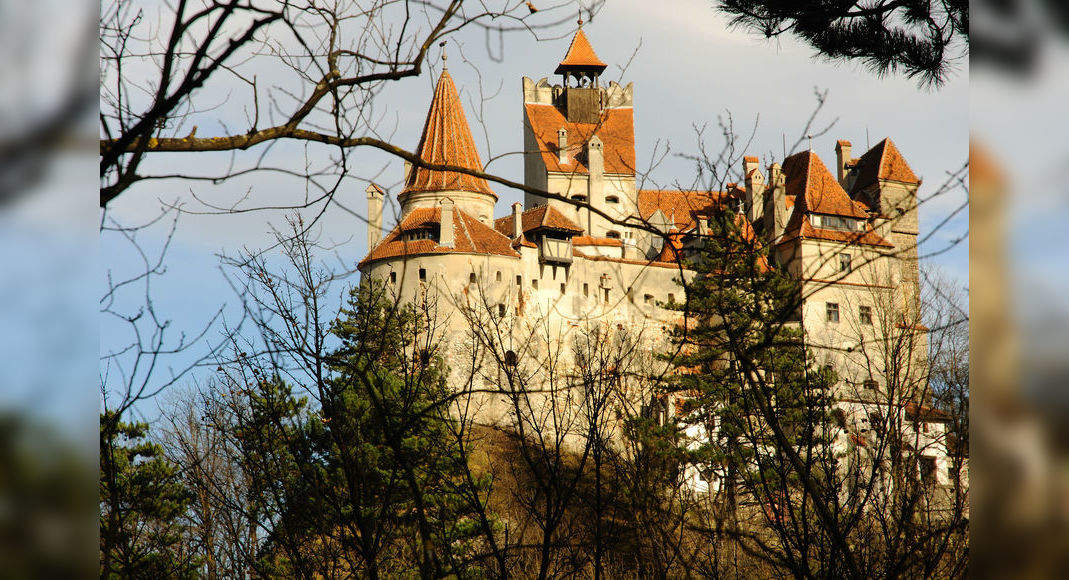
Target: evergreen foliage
column 142, row 505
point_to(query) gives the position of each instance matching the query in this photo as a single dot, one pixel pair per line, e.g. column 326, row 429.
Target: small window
column 864, row 313
column 671, row 298
column 844, row 263
column 833, row 312
column 562, row 288
column 605, row 295
column 927, row 470
column 511, row 359
column 471, row 278
column 630, row 294
column 422, row 274
column 393, row 277
column 586, row 290
column 579, row 197
column 534, row 283
column 613, row 234
column 501, row 310
column 612, row 199
column 869, row 385
column 499, row 276
column 519, row 280
column 648, row 299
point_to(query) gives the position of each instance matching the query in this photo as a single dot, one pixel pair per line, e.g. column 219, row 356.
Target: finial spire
column 810, row 137
column 579, row 5
column 445, row 57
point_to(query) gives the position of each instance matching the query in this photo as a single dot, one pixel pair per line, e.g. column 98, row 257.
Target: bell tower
column 580, row 69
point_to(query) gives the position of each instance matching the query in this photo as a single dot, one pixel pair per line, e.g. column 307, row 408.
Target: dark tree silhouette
column 921, row 39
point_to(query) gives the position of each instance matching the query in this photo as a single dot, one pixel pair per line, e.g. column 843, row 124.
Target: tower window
column 865, row 314
column 832, row 311
column 844, row 263
column 671, row 298
column 519, row 280
column 648, row 299
column 586, row 290
column 578, row 197
column 501, row 310
column 605, row 295
column 613, row 234
column 499, row 276
column 534, row 283
column 612, row 199
column 562, row 288
column 471, row 278
column 393, row 277
column 422, row 274
column 511, row 359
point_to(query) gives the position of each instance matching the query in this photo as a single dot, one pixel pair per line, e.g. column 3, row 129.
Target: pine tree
column 142, row 504
column 745, row 380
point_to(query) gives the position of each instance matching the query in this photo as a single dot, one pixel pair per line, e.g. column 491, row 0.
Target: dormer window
column 615, row 235
column 420, row 234
column 835, row 222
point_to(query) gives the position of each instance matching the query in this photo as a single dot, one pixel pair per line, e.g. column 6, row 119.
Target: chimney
column 517, row 220
column 776, row 204
column 755, row 188
column 842, row 157
column 595, row 162
column 447, row 232
column 375, row 196
column 562, row 146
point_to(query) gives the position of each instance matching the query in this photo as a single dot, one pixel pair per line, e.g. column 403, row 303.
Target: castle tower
column 447, row 140
column 579, row 142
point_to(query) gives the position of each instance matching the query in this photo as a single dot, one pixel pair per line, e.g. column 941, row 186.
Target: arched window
column 613, row 234
column 499, row 276
column 612, row 199
column 471, row 278
column 511, row 359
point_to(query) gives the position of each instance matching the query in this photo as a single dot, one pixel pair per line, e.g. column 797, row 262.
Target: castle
column 849, row 236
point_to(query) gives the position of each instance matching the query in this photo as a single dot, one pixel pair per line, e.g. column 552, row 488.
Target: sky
column 688, row 69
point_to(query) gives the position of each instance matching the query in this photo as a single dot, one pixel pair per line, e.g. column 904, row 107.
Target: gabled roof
column 447, row 140
column 815, row 189
column 678, row 206
column 543, row 217
column 580, row 56
column 616, row 129
column 471, row 237
column 882, row 162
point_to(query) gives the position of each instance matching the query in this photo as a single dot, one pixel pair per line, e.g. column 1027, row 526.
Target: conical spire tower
column 447, row 140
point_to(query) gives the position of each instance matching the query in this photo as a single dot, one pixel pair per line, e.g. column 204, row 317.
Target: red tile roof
column 471, row 235
column 616, row 131
column 679, row 206
column 592, row 241
column 580, row 56
column 447, row 140
column 538, row 218
column 808, row 180
column 883, row 162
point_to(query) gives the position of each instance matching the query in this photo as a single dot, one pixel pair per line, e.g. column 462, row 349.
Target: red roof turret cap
column 580, row 57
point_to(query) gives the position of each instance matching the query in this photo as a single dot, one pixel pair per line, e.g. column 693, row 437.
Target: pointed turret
column 447, row 140
column 581, row 99
column 581, row 57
